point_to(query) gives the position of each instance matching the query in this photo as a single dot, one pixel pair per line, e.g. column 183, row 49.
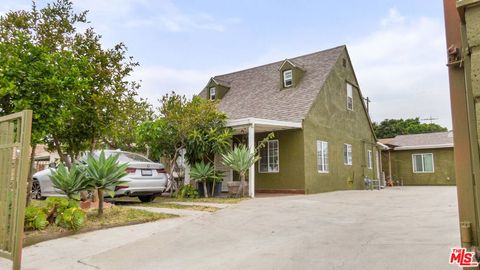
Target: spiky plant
column 202, row 172
column 104, row 174
column 70, row 181
column 240, row 160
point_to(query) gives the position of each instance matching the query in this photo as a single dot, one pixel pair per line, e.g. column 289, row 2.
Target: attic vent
column 344, row 62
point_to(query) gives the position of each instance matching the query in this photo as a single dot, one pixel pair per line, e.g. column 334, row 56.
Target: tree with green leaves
column 195, row 125
column 390, row 128
column 80, row 92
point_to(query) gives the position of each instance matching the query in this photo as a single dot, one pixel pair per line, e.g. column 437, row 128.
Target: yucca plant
column 240, row 159
column 202, row 172
column 104, row 174
column 70, row 181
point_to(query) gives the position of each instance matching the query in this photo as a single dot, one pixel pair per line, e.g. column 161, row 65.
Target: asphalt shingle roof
column 256, row 92
column 418, row 140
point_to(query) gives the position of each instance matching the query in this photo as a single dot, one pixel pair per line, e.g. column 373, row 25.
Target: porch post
column 251, row 171
column 389, row 165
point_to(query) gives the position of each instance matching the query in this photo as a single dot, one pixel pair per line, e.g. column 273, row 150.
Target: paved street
column 397, row 228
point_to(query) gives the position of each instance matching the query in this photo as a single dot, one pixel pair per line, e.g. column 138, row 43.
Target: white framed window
column 347, row 154
column 287, row 78
column 369, row 159
column 322, row 156
column 349, row 97
column 269, row 158
column 423, row 163
column 212, row 92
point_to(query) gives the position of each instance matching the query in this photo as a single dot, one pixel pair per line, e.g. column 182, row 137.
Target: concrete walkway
column 397, row 228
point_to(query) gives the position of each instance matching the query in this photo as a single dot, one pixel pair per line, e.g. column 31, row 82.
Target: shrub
column 72, row 218
column 187, row 191
column 65, row 213
column 35, row 218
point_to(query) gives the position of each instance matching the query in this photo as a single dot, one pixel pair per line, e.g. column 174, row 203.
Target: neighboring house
column 324, row 139
column 42, row 158
column 420, row 159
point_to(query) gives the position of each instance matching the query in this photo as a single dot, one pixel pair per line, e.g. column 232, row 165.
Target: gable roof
column 420, row 141
column 257, row 93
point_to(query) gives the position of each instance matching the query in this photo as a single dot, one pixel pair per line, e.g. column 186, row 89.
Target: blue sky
column 397, row 47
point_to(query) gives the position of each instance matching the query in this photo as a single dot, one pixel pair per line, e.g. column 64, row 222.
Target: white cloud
column 159, row 80
column 168, row 17
column 401, row 67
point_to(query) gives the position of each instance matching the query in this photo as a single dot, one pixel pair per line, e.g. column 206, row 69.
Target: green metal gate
column 15, row 133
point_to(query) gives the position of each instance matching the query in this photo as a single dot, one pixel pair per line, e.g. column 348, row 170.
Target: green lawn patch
column 115, row 216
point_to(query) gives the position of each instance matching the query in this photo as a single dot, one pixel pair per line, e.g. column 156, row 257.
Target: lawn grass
column 113, row 217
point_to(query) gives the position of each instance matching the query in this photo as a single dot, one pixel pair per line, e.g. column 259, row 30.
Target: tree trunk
column 240, row 188
column 100, row 202
column 205, row 191
column 63, row 157
column 30, row 175
column 243, row 185
column 213, row 189
column 173, row 162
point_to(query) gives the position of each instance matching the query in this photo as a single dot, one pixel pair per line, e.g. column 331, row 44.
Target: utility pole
column 431, row 119
column 367, row 102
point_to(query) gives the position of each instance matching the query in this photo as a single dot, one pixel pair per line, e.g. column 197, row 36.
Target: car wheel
column 146, row 198
column 36, row 190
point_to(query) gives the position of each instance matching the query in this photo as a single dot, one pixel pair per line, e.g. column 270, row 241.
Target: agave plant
column 240, row 160
column 104, row 174
column 70, row 182
column 202, row 172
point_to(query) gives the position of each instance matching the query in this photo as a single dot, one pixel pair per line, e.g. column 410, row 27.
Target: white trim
column 288, row 61
column 267, row 146
column 258, row 121
column 284, row 75
column 414, row 166
column 349, row 158
column 349, row 96
column 429, row 146
column 369, row 159
column 325, row 160
column 214, row 90
column 251, row 170
column 383, row 146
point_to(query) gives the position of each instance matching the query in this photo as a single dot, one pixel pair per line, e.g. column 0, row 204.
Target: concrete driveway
column 397, row 228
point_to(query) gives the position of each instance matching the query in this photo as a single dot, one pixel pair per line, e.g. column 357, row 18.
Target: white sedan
column 145, row 180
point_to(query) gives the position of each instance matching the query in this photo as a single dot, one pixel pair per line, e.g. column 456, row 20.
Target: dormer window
column 212, row 92
column 287, row 78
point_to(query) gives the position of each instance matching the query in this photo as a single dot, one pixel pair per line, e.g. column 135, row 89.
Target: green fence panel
column 15, row 135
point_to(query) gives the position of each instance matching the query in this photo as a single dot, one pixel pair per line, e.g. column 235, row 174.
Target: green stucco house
column 420, row 159
column 324, row 139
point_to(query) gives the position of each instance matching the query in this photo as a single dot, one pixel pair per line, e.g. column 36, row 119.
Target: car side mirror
column 52, row 165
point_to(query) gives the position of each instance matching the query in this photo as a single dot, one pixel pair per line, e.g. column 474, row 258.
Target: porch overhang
column 262, row 125
column 251, row 126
